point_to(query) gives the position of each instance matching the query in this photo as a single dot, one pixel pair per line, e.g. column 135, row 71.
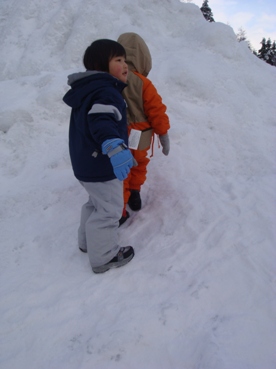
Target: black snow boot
column 123, row 257
column 134, row 200
column 124, row 217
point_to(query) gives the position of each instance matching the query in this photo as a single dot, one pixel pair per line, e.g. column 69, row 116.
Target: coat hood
column 86, row 83
column 138, row 55
column 80, row 84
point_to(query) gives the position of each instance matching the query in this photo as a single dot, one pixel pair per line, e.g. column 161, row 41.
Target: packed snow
column 200, row 291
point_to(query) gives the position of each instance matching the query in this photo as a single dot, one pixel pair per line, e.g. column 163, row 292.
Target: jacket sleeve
column 154, row 108
column 106, row 118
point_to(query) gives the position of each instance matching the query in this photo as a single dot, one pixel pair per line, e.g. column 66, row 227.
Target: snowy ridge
column 200, row 292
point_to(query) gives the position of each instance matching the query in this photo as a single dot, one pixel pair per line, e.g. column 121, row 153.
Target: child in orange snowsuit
column 145, row 112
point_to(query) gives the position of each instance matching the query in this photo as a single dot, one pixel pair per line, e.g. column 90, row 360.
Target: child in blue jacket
column 101, row 160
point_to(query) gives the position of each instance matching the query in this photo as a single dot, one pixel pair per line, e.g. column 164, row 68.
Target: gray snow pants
column 98, row 230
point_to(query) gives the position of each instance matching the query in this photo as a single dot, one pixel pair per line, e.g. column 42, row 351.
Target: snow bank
column 200, row 292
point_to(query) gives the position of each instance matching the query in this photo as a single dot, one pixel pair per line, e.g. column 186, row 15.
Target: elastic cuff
column 116, row 150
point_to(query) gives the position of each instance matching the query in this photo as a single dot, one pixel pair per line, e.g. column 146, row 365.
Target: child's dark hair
column 98, row 55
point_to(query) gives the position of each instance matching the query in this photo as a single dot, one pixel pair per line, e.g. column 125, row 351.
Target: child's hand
column 165, row 142
column 120, row 157
column 122, row 162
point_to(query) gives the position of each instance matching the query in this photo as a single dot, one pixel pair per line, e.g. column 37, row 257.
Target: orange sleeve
column 154, row 108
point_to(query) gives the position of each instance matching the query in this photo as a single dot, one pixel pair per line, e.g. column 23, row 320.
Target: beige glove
column 165, row 142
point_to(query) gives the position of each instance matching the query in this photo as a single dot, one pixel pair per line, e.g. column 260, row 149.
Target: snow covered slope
column 200, row 292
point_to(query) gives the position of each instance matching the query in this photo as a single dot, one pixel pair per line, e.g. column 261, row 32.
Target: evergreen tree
column 268, row 44
column 273, row 57
column 262, row 52
column 271, row 52
column 268, row 52
column 207, row 12
column 241, row 35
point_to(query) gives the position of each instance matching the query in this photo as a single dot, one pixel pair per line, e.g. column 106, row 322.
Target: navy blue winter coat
column 98, row 114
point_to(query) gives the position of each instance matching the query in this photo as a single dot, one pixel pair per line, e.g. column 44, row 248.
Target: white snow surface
column 200, row 291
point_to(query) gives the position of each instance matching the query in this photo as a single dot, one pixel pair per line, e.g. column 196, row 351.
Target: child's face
column 118, row 68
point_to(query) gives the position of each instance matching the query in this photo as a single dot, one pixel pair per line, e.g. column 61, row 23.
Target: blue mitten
column 120, row 157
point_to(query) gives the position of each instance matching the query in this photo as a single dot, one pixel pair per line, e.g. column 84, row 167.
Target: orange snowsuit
column 144, row 106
